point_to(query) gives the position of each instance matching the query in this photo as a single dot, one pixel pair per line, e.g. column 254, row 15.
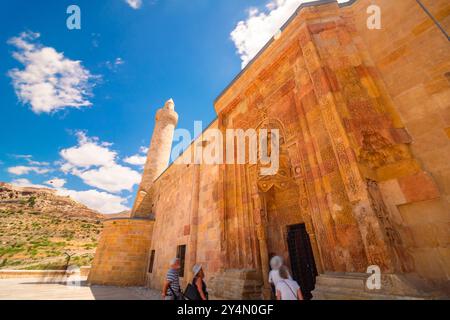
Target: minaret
column 158, row 155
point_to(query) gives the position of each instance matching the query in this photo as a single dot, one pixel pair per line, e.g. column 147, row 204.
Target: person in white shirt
column 287, row 289
column 274, row 274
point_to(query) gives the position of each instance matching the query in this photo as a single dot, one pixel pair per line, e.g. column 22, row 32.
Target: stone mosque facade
column 364, row 177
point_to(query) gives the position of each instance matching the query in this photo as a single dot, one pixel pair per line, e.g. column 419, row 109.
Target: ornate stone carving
column 403, row 259
column 284, row 176
column 377, row 151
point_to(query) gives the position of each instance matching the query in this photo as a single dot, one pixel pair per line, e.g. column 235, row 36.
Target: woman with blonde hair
column 274, row 275
column 287, row 289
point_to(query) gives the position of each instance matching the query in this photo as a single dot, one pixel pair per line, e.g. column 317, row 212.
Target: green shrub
column 31, row 201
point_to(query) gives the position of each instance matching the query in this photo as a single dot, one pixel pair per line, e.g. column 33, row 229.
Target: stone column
column 193, row 228
column 261, row 221
column 158, row 155
column 161, row 145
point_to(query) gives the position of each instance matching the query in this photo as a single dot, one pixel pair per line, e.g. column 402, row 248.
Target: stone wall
column 410, row 59
column 185, row 203
column 122, row 254
column 363, row 117
column 236, row 284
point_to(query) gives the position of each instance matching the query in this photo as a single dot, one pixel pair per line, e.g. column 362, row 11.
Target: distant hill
column 123, row 214
column 39, row 229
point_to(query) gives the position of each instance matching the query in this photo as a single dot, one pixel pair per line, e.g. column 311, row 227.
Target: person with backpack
column 199, row 281
column 286, row 288
column 197, row 289
column 171, row 289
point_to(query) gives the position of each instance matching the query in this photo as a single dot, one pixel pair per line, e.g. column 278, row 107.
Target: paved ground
column 40, row 289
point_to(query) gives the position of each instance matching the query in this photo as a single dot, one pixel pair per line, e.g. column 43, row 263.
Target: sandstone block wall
column 122, row 254
column 185, row 203
column 236, row 284
column 410, row 57
column 364, row 121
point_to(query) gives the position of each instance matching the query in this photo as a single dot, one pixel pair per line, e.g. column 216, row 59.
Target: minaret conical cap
column 169, row 104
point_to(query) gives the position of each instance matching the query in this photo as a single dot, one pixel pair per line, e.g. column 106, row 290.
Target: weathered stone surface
column 237, row 284
column 352, row 286
column 158, row 155
column 122, row 253
column 361, row 164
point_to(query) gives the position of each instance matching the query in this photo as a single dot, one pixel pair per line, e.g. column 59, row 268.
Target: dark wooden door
column 302, row 259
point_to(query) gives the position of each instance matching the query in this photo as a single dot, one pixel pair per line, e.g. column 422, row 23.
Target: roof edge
column 263, row 49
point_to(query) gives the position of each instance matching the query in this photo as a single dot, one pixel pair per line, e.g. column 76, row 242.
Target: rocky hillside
column 123, row 214
column 40, row 230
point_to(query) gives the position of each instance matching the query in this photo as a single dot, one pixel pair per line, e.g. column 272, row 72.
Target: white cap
column 276, row 262
column 196, row 269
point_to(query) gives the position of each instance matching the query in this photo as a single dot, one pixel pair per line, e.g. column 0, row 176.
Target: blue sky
column 87, row 138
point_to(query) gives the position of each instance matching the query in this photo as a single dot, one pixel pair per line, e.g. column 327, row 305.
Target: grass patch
column 47, row 266
column 11, row 250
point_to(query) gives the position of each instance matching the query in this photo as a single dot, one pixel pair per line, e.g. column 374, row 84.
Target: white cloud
column 94, row 163
column 136, row 160
column 119, row 61
column 37, row 163
column 30, row 160
column 135, row 4
column 143, row 150
column 95, row 39
column 56, row 182
column 49, row 81
column 114, row 65
column 100, row 201
column 251, row 35
column 26, row 183
column 114, row 178
column 89, row 152
column 22, row 170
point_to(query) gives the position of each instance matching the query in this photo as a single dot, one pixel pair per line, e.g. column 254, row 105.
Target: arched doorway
column 279, row 216
column 301, row 257
column 281, row 228
column 286, row 235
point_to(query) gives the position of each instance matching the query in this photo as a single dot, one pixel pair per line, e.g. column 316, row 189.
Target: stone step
column 331, row 280
column 237, row 284
column 339, row 294
column 351, row 286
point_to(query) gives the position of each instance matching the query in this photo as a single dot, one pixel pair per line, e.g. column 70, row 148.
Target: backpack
column 191, row 292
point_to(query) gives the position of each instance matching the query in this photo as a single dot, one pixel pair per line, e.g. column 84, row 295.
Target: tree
column 31, row 201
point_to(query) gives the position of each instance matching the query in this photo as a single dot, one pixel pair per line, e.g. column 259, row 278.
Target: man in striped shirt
column 172, row 283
